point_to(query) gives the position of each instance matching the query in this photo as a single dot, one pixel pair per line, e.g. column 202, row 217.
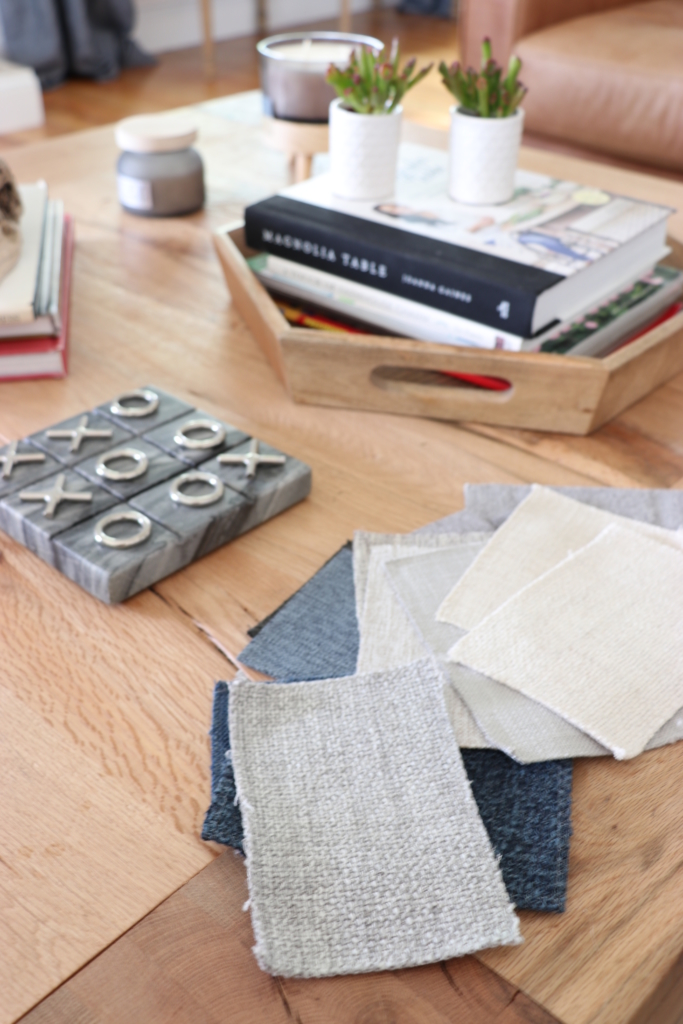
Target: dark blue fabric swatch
column 313, row 635
column 526, row 808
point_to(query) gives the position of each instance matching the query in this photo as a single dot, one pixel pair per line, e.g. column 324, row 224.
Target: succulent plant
column 488, row 92
column 372, row 82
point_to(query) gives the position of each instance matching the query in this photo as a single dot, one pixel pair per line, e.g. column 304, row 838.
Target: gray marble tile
column 169, row 408
column 205, row 526
column 271, row 490
column 114, row 574
column 26, row 521
column 21, row 474
column 58, row 448
column 161, row 466
column 164, row 437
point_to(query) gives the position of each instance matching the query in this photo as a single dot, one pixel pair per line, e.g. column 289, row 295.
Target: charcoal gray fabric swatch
column 223, row 821
column 297, row 642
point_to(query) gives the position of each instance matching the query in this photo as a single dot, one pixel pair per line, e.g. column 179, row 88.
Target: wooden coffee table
column 105, row 710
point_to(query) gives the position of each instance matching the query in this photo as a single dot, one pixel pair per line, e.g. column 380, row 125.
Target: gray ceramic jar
column 158, row 172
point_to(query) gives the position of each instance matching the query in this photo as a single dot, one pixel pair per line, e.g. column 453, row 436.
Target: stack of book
column 34, row 296
column 559, row 268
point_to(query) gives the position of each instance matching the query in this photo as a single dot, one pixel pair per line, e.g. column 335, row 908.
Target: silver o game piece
column 150, row 399
column 177, row 493
column 102, row 537
column 217, row 434
column 140, row 467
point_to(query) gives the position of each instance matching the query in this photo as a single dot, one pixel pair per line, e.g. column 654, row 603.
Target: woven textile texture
column 299, row 644
column 541, row 531
column 387, row 636
column 598, row 639
column 520, row 727
column 512, row 803
column 365, row 850
column 223, row 821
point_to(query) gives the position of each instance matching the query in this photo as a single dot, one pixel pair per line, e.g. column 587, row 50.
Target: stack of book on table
column 34, row 296
column 559, row 268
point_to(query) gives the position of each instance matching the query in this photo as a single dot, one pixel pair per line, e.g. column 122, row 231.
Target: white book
column 381, row 309
column 19, row 288
column 48, row 319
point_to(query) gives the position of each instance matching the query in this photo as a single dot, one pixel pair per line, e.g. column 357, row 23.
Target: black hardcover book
column 518, row 267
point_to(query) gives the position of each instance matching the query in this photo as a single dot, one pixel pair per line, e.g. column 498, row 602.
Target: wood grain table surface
column 105, row 710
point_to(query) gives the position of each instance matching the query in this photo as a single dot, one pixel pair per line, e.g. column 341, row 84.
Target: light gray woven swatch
column 365, row 849
column 387, row 636
column 541, row 531
column 522, row 728
column 598, row 639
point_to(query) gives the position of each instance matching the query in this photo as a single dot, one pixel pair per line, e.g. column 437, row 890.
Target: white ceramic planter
column 483, row 154
column 363, row 152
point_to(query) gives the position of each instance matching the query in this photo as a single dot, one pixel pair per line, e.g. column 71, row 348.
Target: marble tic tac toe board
column 123, row 495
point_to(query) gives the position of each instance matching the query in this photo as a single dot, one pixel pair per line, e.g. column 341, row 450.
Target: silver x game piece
column 78, row 434
column 55, row 496
column 252, row 459
column 13, row 458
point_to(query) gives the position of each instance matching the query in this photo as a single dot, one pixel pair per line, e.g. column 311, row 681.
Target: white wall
column 174, row 24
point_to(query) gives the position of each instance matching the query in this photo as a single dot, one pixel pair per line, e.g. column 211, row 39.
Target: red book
column 28, row 358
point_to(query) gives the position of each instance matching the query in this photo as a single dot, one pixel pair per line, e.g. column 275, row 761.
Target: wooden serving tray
column 569, row 395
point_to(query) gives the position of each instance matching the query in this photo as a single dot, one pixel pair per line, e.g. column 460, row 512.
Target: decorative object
column 365, row 121
column 158, row 172
column 10, row 215
column 486, row 129
column 293, row 66
column 393, row 374
column 182, row 503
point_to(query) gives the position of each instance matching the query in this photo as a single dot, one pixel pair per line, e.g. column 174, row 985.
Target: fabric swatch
column 523, row 728
column 542, row 530
column 387, row 636
column 223, row 820
column 597, row 639
column 493, row 503
column 511, row 804
column 365, row 850
column 296, row 642
column 487, row 506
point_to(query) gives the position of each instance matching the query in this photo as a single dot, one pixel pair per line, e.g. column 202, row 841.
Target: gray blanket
column 88, row 38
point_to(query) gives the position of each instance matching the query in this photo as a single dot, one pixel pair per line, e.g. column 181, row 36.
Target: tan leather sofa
column 603, row 76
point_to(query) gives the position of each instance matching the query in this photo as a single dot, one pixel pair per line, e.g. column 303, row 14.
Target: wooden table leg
column 345, row 16
column 207, row 22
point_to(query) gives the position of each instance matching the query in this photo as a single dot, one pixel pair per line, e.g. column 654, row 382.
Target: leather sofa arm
column 506, row 21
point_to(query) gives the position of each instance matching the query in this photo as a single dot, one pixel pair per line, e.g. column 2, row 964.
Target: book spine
column 391, row 312
column 431, row 281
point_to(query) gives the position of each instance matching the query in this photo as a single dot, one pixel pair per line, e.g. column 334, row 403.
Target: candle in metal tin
column 293, row 66
column 158, row 172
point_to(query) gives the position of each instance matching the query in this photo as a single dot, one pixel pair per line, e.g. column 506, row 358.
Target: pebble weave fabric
column 522, row 728
column 597, row 639
column 365, row 849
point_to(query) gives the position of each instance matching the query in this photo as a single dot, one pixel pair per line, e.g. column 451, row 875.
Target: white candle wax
column 313, row 51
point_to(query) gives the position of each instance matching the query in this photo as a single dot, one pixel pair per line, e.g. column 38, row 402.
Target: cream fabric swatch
column 543, row 530
column 388, row 638
column 522, row 728
column 365, row 849
column 598, row 639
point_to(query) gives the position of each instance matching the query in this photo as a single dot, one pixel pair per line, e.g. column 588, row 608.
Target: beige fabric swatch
column 543, row 530
column 598, row 639
column 388, row 638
